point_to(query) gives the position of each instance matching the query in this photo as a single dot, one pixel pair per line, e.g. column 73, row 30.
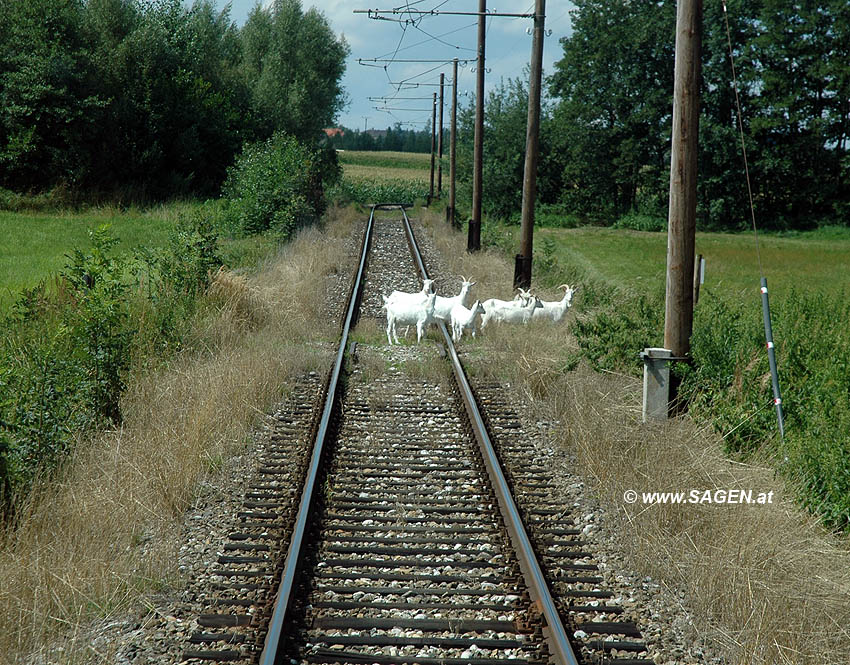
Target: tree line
column 153, row 98
column 605, row 129
column 394, row 138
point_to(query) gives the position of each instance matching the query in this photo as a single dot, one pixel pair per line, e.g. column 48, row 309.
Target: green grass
column 813, row 261
column 36, row 244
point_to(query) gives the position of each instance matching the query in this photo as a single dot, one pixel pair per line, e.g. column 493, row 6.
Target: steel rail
column 554, row 631
column 294, row 557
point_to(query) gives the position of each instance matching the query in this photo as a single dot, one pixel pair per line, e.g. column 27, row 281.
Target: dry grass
column 91, row 543
column 764, row 583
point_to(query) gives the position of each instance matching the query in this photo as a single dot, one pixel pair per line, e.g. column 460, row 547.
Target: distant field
column 415, row 161
column 363, row 165
column 814, row 261
column 33, row 246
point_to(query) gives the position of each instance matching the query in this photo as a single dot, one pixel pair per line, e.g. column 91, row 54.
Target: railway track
column 424, row 531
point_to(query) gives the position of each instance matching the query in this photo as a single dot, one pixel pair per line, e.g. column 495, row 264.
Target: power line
column 391, row 61
column 399, row 108
column 445, row 34
column 376, row 14
column 394, row 98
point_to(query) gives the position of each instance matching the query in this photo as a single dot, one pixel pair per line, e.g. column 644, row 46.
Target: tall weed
column 729, row 384
column 68, row 345
column 348, row 190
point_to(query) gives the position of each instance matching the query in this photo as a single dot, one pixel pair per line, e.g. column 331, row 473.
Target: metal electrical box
column 656, row 383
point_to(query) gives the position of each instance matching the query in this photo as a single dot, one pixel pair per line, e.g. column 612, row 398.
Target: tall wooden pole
column 474, row 239
column 679, row 304
column 522, row 269
column 433, row 129
column 440, row 142
column 450, row 211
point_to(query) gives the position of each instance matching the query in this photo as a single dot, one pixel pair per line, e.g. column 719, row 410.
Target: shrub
column 551, row 215
column 63, row 362
column 611, row 336
column 275, row 185
column 729, row 384
column 98, row 324
column 556, row 216
column 640, row 222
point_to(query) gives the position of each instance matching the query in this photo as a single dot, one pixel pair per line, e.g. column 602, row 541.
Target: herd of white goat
column 425, row 308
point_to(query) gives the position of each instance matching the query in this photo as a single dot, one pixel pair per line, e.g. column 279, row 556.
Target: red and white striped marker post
column 771, row 357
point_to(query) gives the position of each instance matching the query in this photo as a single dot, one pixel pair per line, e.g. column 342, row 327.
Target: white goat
column 522, row 294
column 465, row 318
column 409, row 313
column 509, row 311
column 419, row 296
column 443, row 306
column 555, row 310
column 412, row 299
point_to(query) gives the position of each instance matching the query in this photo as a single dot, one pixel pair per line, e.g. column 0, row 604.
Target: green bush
column 556, row 216
column 63, row 362
column 611, row 336
column 98, row 324
column 551, row 215
column 275, row 185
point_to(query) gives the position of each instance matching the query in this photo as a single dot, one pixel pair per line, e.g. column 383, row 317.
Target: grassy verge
column 38, row 243
column 636, row 261
column 93, row 541
column 745, row 574
column 728, row 384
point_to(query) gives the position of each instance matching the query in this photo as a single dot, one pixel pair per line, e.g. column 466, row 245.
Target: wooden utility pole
column 450, row 211
column 433, row 129
column 679, row 304
column 474, row 240
column 440, row 141
column 522, row 269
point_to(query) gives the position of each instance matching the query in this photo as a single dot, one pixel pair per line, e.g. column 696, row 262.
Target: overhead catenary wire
column 741, row 132
column 445, row 34
column 385, row 63
column 414, row 13
column 376, row 14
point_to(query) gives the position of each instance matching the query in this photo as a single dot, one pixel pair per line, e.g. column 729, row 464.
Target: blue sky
column 508, row 48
